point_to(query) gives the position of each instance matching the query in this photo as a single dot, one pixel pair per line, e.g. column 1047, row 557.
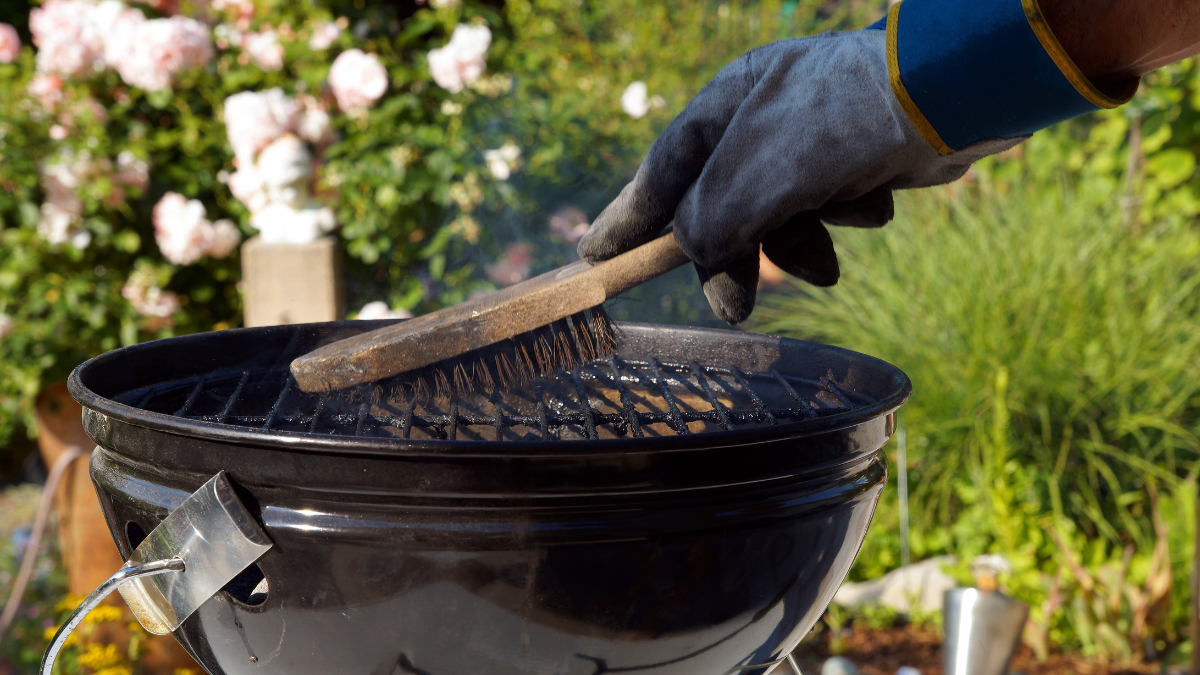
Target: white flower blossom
column 62, row 211
column 502, row 161
column 463, row 59
column 282, row 224
column 635, row 100
column 357, row 79
column 254, row 119
column 380, row 310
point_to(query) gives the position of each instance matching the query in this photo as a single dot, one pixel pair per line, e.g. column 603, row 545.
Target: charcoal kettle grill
column 686, row 507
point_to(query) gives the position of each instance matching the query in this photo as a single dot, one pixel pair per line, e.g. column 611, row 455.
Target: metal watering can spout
column 201, row 546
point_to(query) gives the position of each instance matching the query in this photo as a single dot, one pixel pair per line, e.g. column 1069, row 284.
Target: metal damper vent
column 609, row 398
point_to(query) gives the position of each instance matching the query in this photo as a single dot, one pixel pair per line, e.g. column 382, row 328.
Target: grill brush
column 552, row 321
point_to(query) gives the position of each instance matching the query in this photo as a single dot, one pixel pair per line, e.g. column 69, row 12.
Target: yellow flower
column 68, row 603
column 103, row 613
column 184, row 671
column 115, row 670
column 48, row 635
column 100, row 658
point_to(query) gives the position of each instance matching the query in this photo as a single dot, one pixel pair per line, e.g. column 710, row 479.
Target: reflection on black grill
column 610, row 398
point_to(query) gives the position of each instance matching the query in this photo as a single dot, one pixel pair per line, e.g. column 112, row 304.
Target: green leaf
column 1171, row 167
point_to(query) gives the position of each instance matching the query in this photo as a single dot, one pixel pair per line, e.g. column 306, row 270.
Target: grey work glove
column 791, row 134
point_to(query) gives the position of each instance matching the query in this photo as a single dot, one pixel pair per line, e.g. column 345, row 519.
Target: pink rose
column 47, row 89
column 462, row 60
column 184, row 234
column 314, row 124
column 181, row 229
column 242, row 11
column 358, row 80
column 254, row 119
column 569, row 223
column 10, row 43
column 131, row 171
column 226, row 237
column 149, row 300
column 324, row 35
column 515, row 266
column 117, row 26
column 67, row 43
column 264, row 49
column 161, row 48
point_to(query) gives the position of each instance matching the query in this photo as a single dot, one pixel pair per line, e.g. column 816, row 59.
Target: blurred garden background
column 1046, row 306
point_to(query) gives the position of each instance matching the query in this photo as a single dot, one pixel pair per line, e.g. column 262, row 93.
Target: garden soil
column 883, row 652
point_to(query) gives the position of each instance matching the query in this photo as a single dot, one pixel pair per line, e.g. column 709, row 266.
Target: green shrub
column 1053, row 353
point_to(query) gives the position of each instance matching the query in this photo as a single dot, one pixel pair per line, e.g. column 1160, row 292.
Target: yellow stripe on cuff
column 910, row 107
column 1037, row 21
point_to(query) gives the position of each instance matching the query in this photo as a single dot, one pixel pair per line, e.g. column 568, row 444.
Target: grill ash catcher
column 687, row 506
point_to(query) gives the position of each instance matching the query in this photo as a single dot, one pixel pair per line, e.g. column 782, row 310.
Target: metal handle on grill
column 175, row 564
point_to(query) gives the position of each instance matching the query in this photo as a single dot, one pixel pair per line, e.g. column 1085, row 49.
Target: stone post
column 292, row 283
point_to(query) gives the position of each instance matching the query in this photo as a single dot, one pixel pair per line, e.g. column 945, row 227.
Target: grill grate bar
column 453, row 418
column 804, row 405
column 497, row 416
column 712, row 398
column 543, row 420
column 321, row 403
column 407, row 422
column 363, row 409
column 675, row 420
column 234, row 396
column 759, row 406
column 626, row 403
column 589, row 421
column 836, row 389
column 287, row 386
column 187, row 405
column 146, row 399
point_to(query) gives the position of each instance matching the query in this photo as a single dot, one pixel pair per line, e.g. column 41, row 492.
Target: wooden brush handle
column 482, row 321
column 636, row 266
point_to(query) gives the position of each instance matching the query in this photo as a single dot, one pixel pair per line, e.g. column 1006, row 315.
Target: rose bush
column 133, row 135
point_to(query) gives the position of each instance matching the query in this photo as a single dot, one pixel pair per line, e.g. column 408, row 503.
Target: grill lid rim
column 97, row 407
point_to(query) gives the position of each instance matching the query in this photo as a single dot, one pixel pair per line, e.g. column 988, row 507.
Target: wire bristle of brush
column 562, row 345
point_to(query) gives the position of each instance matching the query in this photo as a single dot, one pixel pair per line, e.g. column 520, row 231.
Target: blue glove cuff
column 967, row 71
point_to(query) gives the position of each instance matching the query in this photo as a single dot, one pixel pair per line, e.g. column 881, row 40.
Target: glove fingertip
column 731, row 293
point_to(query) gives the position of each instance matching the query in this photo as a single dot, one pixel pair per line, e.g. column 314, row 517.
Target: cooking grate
column 610, row 398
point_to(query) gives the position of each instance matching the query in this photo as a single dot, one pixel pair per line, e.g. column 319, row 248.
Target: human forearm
column 1115, row 40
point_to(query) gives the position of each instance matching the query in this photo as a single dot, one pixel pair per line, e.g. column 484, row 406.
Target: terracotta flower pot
column 88, row 551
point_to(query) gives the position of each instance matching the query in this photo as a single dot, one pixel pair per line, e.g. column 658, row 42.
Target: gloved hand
column 791, row 134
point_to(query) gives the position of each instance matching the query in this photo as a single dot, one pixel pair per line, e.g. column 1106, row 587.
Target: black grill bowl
column 595, row 536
